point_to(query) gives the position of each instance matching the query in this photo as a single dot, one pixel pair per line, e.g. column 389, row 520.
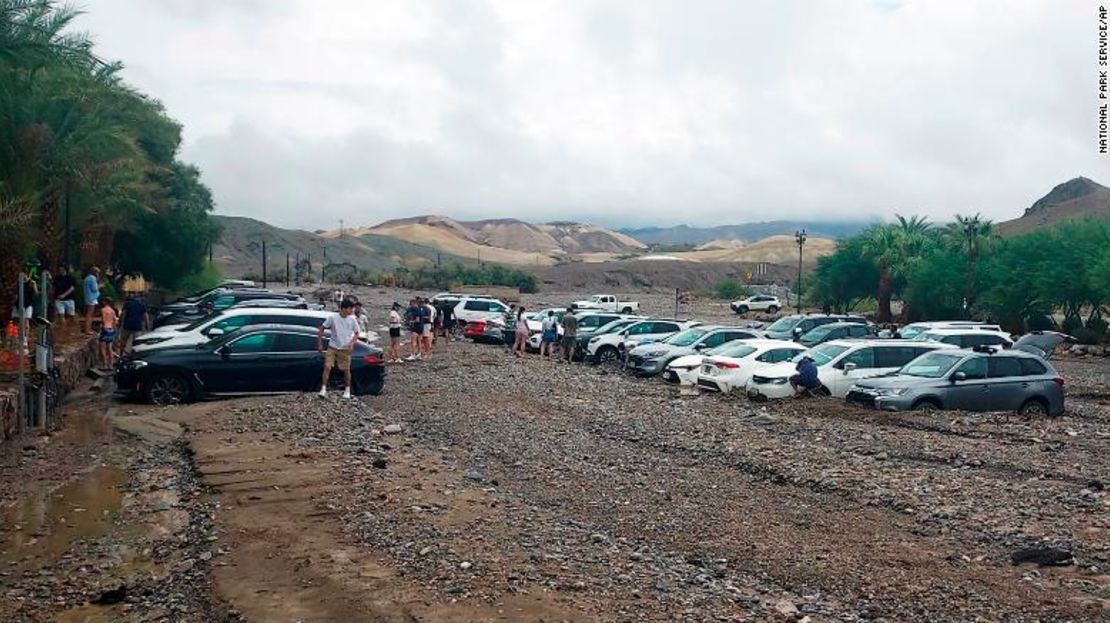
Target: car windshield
column 822, row 354
column 738, row 351
column 685, row 338
column 198, row 323
column 818, row 333
column 612, row 326
column 931, row 366
column 784, row 325
column 932, row 337
column 910, row 331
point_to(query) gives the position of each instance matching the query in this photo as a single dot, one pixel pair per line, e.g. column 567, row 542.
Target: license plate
column 707, row 369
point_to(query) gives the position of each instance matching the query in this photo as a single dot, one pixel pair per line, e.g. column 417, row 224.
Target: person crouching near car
column 108, row 321
column 806, row 379
column 344, row 333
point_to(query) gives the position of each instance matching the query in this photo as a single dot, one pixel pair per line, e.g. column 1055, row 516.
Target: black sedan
column 258, row 359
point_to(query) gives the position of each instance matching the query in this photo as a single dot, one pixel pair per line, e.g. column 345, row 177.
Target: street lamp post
column 800, row 238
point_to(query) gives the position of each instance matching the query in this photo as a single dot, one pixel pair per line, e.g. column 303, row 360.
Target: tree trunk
column 885, row 291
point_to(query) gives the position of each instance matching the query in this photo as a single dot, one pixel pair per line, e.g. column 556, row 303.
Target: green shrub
column 203, row 279
column 731, row 289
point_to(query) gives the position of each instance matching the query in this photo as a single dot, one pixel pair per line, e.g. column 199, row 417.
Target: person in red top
column 108, row 320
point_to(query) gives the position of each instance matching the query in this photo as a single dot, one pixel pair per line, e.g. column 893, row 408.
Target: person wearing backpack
column 550, row 336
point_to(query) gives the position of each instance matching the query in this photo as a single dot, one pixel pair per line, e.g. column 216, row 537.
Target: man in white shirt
column 344, row 333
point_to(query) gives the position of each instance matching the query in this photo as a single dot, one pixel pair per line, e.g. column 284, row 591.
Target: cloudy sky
column 304, row 112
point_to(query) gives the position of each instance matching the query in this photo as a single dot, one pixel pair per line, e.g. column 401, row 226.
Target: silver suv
column 984, row 379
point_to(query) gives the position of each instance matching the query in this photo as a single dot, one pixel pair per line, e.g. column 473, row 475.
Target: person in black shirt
column 65, row 309
column 132, row 322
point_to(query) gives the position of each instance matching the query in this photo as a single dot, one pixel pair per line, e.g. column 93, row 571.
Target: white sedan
column 731, row 366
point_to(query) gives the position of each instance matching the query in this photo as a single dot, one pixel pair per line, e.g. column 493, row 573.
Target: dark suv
column 795, row 326
column 218, row 300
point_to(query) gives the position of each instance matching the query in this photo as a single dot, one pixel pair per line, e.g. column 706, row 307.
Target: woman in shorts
column 395, row 334
column 550, row 336
column 414, row 316
column 521, row 332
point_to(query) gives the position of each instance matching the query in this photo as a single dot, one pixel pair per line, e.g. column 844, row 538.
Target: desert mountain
column 508, row 241
column 747, row 232
column 1074, row 198
column 772, row 249
column 239, row 251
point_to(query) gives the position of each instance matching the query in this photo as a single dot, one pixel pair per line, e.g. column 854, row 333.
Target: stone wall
column 73, row 362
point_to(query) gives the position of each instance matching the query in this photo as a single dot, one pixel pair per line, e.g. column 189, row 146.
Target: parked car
column 276, row 304
column 914, row 330
column 730, row 367
column 983, row 379
column 651, row 359
column 217, row 301
column 833, row 331
column 226, row 284
column 1043, row 343
column 796, row 325
column 758, row 302
column 968, row 338
column 589, row 322
column 470, row 309
column 582, row 342
column 221, row 323
column 607, row 302
column 840, row 364
column 490, row 331
column 611, row 346
column 256, row 359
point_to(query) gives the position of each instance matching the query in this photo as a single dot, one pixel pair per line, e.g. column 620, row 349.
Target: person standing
column 92, row 296
column 416, row 329
column 521, row 332
column 508, row 332
column 65, row 310
column 429, row 312
column 570, row 334
column 447, row 320
column 395, row 334
column 132, row 321
column 550, row 328
column 108, row 320
column 341, row 342
column 24, row 314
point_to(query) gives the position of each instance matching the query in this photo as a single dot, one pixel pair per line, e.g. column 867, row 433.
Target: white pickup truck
column 607, row 302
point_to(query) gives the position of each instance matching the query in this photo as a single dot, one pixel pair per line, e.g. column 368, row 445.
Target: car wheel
column 774, row 309
column 626, row 310
column 374, row 387
column 607, row 354
column 1033, row 408
column 743, row 309
column 823, row 392
column 926, row 405
column 168, row 389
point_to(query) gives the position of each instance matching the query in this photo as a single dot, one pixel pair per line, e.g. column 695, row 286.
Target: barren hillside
column 1074, row 198
column 773, row 249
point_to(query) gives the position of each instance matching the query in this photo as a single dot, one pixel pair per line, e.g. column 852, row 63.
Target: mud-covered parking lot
column 480, row 487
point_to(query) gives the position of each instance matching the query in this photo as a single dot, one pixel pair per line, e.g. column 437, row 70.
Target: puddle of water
column 85, row 428
column 45, row 525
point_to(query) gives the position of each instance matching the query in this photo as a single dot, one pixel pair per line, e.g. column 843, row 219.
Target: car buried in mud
column 260, row 359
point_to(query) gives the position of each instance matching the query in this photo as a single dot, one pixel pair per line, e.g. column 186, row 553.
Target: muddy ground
column 479, row 487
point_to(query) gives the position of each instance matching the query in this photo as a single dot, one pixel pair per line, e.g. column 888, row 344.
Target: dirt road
column 483, row 488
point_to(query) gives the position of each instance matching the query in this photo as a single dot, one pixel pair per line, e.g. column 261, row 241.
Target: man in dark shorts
column 132, row 322
column 570, row 334
column 447, row 314
column 806, row 378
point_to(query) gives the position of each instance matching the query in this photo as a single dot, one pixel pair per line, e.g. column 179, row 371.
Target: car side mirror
column 797, row 331
column 624, row 333
column 215, row 332
column 959, row 376
column 224, row 351
column 699, row 346
column 849, row 366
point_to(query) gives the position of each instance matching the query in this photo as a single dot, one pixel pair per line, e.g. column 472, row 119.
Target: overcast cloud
column 304, row 112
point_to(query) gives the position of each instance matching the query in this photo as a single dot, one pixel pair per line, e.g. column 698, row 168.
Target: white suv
column 840, row 363
column 968, row 337
column 483, row 309
column 215, row 325
column 758, row 302
column 611, row 346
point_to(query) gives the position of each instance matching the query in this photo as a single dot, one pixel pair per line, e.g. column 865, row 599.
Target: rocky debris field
column 480, row 478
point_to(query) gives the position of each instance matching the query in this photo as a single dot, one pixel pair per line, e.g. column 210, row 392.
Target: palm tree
column 972, row 234
column 892, row 249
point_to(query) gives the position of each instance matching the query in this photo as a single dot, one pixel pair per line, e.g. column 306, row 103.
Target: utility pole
column 287, row 269
column 800, row 238
column 263, row 263
column 676, row 303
